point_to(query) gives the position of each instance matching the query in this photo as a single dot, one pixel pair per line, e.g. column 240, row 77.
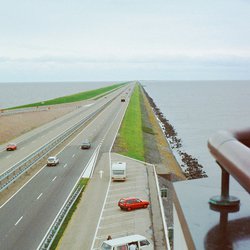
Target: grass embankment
column 82, row 183
column 73, row 98
column 130, row 138
column 141, row 136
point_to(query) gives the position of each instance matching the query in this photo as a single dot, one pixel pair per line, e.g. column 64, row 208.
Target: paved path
column 85, row 230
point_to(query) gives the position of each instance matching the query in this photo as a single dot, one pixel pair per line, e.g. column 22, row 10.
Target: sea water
column 198, row 109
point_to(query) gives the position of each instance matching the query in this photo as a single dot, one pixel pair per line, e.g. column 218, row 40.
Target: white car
column 52, row 161
column 138, row 241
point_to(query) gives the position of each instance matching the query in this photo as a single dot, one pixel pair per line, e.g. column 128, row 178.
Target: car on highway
column 132, row 203
column 11, row 147
column 123, row 99
column 86, row 144
column 52, row 161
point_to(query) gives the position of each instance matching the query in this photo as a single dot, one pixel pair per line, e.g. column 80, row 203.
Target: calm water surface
column 198, row 109
column 15, row 94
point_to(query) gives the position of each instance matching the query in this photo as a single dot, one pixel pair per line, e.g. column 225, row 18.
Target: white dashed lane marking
column 18, row 220
column 54, row 178
column 39, row 196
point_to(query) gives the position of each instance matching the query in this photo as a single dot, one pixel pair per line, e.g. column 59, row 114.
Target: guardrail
column 13, row 173
column 231, row 151
column 5, row 112
column 49, row 238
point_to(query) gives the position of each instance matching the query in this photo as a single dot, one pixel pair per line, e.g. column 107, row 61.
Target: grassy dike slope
column 129, row 141
column 75, row 97
column 141, row 137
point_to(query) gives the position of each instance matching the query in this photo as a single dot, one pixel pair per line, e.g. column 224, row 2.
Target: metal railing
column 50, row 236
column 231, row 151
column 5, row 112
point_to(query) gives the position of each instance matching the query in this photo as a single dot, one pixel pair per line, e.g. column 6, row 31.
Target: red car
column 11, row 147
column 132, row 203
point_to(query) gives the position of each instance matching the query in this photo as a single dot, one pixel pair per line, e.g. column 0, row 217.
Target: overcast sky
column 62, row 40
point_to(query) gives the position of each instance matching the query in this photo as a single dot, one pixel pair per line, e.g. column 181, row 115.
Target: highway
column 38, row 137
column 27, row 216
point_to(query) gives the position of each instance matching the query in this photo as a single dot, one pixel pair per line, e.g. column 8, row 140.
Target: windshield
column 105, row 246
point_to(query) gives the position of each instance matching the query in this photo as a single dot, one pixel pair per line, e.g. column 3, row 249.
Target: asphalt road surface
column 36, row 138
column 26, row 217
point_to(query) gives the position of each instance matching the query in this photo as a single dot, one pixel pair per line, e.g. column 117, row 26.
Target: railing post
column 224, row 183
column 224, row 200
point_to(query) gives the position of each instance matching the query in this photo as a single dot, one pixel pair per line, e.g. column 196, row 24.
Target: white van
column 118, row 171
column 123, row 243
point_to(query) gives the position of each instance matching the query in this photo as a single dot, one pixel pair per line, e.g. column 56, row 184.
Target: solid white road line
column 60, row 210
column 19, row 220
column 54, row 178
column 39, row 196
column 91, row 163
column 106, row 195
column 88, row 105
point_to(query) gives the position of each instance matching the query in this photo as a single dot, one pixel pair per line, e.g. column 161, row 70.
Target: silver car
column 52, row 161
column 85, row 144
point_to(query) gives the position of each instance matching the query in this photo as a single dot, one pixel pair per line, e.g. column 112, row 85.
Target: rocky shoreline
column 190, row 165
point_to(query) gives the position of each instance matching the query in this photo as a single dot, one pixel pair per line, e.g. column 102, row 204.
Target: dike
column 157, row 148
column 190, row 165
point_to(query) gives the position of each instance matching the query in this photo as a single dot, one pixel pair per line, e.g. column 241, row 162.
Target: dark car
column 132, row 203
column 85, row 144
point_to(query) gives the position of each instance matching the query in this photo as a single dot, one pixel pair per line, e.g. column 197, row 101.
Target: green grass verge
column 82, row 183
column 130, row 139
column 73, row 98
